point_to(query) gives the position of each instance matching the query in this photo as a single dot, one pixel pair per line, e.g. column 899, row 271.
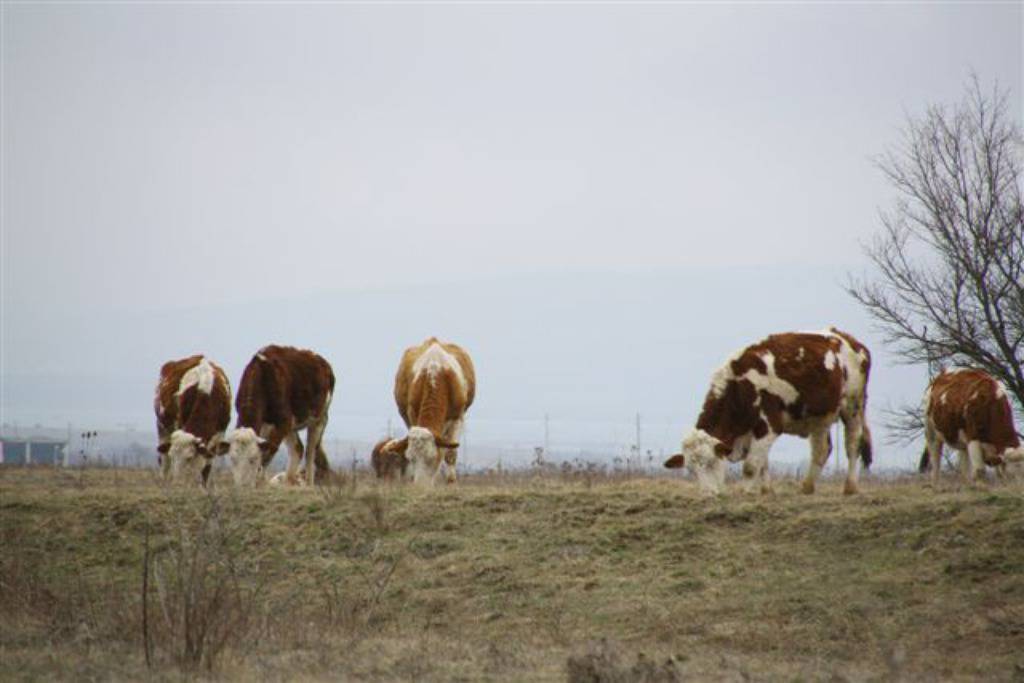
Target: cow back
column 973, row 404
column 282, row 384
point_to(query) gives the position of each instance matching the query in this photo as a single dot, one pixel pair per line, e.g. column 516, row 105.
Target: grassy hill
column 515, row 578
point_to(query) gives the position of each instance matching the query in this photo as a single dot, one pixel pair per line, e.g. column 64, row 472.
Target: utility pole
column 547, row 434
column 639, row 450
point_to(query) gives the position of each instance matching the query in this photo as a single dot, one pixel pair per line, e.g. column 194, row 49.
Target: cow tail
column 864, row 447
column 926, row 460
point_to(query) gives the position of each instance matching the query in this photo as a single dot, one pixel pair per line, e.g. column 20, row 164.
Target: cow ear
column 441, row 443
column 397, row 446
column 164, row 447
column 675, row 462
column 223, row 447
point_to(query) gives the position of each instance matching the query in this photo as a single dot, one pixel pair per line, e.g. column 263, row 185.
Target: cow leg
column 163, row 436
column 976, row 463
column 963, row 464
column 294, row 444
column 165, row 466
column 934, row 446
column 758, row 459
column 821, row 448
column 451, row 432
column 853, row 429
column 313, row 436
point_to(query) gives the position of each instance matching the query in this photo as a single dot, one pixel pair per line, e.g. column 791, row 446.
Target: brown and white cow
column 387, row 462
column 193, row 408
column 969, row 410
column 283, row 390
column 434, row 387
column 796, row 383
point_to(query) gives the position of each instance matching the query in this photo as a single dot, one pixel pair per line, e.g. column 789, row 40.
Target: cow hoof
column 807, row 487
column 849, row 488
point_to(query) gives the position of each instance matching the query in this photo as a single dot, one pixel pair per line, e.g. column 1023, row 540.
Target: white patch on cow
column 771, row 382
column 853, row 362
column 830, row 359
column 434, row 360
column 720, row 377
column 259, row 354
column 201, row 374
column 1000, row 391
column 942, row 398
column 800, row 353
column 768, row 381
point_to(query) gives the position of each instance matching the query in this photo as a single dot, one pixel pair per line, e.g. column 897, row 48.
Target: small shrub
column 206, row 590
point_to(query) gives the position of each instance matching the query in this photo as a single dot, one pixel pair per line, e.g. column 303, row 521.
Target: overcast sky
column 167, row 156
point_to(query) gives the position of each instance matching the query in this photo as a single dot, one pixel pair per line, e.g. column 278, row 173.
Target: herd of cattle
column 797, row 383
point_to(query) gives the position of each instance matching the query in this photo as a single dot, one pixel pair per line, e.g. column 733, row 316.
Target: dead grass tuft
column 604, row 662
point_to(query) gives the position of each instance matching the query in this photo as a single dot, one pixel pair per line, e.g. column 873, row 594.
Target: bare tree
column 949, row 287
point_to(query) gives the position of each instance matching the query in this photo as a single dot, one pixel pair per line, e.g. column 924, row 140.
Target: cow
column 386, row 461
column 283, row 390
column 969, row 411
column 796, row 383
column 193, row 409
column 434, row 386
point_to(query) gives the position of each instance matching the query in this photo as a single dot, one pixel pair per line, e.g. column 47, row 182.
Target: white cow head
column 422, row 449
column 245, row 451
column 1014, row 462
column 183, row 457
column 698, row 452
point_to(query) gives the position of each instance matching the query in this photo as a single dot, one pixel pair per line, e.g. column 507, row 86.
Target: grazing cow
column 283, row 390
column 193, row 408
column 434, row 387
column 388, row 464
column 970, row 411
column 796, row 383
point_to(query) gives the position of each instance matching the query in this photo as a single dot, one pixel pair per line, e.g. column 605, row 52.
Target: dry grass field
column 507, row 578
